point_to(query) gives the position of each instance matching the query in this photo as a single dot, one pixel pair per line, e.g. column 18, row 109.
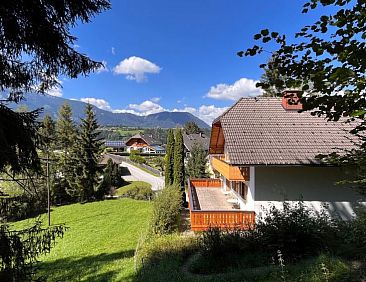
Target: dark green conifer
column 179, row 159
column 169, row 158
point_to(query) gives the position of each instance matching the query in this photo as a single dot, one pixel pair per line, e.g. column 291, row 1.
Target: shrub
column 166, row 211
column 137, row 190
column 354, row 236
column 135, row 157
column 295, row 230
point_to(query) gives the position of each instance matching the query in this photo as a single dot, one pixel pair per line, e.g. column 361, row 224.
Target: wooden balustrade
column 203, row 219
column 206, row 182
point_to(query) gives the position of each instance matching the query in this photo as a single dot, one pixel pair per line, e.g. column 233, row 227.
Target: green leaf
column 264, row 32
column 257, row 36
column 358, row 113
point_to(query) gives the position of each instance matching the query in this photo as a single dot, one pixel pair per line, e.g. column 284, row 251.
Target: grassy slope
column 100, row 244
column 132, row 185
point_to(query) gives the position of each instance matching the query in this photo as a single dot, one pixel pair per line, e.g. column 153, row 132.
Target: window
column 240, row 188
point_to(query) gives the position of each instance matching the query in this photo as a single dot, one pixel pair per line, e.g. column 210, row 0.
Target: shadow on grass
column 88, row 268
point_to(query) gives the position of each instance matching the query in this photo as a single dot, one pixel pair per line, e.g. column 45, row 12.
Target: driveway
column 136, row 174
column 133, row 173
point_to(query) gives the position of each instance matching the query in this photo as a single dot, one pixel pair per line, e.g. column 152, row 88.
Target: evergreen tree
column 178, row 171
column 65, row 142
column 111, row 179
column 47, row 132
column 271, row 81
column 169, row 158
column 191, row 128
column 196, row 165
column 65, row 128
column 87, row 156
column 36, row 47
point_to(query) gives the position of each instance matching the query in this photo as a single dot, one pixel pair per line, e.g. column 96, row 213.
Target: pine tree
column 111, row 179
column 88, row 154
column 47, row 133
column 65, row 142
column 65, row 128
column 196, row 165
column 178, row 171
column 169, row 158
column 36, row 48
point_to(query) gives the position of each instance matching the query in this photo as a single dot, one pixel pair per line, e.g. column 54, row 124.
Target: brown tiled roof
column 148, row 139
column 258, row 131
column 196, row 138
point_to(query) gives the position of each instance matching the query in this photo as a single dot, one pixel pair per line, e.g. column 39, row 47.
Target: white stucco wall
column 316, row 185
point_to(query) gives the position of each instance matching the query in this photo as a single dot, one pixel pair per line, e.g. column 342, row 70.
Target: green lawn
column 100, row 242
column 132, row 185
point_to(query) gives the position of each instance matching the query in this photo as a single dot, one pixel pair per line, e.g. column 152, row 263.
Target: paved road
column 136, row 174
column 157, row 182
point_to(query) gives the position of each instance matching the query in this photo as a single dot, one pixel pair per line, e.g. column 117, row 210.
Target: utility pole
column 48, row 187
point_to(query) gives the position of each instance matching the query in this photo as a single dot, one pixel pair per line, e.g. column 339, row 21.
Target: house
column 264, row 151
column 144, row 144
column 118, row 146
column 190, row 140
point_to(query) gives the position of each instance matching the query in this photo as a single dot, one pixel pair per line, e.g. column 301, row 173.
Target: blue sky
column 177, row 55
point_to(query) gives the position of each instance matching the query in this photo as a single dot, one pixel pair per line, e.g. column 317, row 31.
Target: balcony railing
column 203, row 219
column 232, row 173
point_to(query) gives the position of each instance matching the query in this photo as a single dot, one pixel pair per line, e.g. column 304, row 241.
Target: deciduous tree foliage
column 191, row 128
column 328, row 56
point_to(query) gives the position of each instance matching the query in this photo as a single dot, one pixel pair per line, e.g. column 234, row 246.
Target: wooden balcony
column 232, row 173
column 209, row 208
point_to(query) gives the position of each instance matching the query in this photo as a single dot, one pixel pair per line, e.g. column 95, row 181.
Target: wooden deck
column 208, row 207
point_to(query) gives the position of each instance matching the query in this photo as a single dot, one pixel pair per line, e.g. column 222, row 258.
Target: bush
column 354, row 236
column 135, row 157
column 166, row 211
column 137, row 190
column 295, row 230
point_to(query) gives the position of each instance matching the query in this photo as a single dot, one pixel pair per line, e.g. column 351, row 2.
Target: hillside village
column 259, row 180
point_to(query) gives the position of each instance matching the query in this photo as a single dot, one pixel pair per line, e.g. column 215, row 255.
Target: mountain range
column 51, row 105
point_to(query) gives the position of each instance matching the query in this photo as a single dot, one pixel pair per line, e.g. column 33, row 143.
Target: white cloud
column 243, row 87
column 100, row 103
column 56, row 90
column 147, row 108
column 113, row 50
column 136, row 68
column 209, row 113
column 121, row 111
column 103, row 68
column 205, row 112
column 155, row 99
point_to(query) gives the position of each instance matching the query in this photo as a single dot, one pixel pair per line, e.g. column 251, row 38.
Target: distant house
column 264, row 151
column 144, row 144
column 118, row 146
column 190, row 140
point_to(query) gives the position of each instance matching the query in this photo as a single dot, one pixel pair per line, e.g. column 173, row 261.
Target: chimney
column 291, row 100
